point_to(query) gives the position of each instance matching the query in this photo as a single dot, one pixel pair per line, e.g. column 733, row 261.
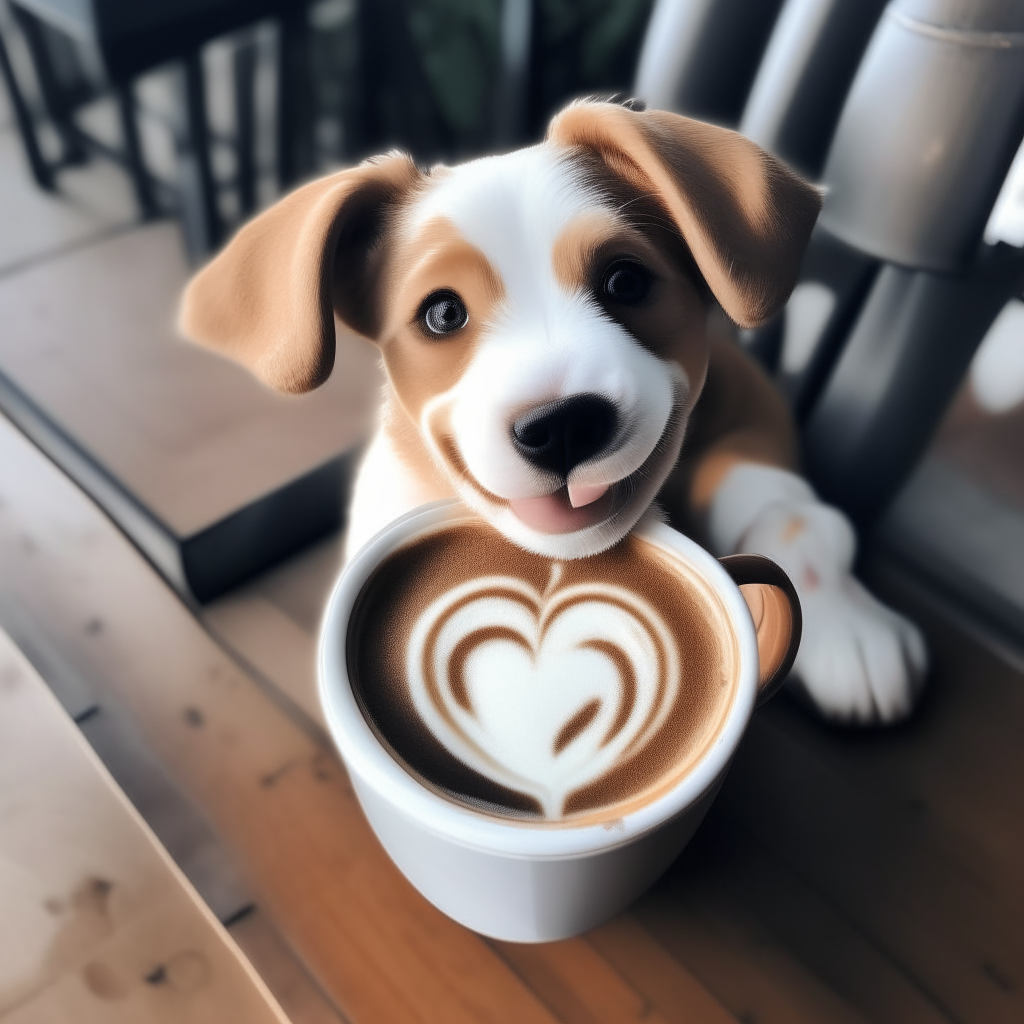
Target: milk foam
column 541, row 692
column 534, row 689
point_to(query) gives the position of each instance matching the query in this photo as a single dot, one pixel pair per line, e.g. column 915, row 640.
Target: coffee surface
column 531, row 688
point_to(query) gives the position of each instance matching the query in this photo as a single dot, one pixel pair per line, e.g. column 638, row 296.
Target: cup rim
column 366, row 756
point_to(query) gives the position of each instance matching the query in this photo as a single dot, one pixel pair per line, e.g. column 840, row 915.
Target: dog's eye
column 443, row 312
column 626, row 282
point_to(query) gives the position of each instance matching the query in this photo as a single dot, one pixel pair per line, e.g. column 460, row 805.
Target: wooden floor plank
column 937, row 922
column 275, row 793
column 678, row 995
column 812, row 928
column 747, row 968
column 98, row 925
column 273, row 621
column 272, row 643
column 945, row 928
column 578, row 983
column 955, row 767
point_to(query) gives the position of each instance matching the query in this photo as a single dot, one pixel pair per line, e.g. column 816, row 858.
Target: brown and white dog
column 550, row 325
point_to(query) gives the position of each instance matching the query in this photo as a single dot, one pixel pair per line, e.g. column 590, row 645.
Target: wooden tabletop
column 211, row 474
column 97, row 923
column 90, row 337
column 841, row 876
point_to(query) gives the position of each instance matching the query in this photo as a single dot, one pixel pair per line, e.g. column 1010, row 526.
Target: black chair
column 131, row 38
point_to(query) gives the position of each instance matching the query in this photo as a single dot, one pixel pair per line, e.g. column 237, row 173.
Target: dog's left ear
column 269, row 299
column 745, row 216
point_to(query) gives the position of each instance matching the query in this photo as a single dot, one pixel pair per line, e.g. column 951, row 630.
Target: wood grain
column 653, row 971
column 749, row 969
column 98, row 925
column 841, row 876
column 299, row 995
column 577, row 983
column 886, row 871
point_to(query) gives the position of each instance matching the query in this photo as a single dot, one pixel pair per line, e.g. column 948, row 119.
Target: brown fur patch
column 740, row 417
column 671, row 321
column 436, row 257
column 409, row 445
column 572, row 256
column 457, row 466
column 438, row 427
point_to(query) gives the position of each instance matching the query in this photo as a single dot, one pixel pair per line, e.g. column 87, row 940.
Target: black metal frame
column 196, row 199
column 59, row 107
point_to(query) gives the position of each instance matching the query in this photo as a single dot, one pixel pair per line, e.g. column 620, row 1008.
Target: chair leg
column 245, row 119
column 53, row 95
column 294, row 136
column 141, row 180
column 41, row 170
column 518, row 29
column 900, row 366
column 198, row 191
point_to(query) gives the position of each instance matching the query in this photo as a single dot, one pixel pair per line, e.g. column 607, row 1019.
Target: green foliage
column 438, row 97
column 459, row 43
column 582, row 46
column 603, row 34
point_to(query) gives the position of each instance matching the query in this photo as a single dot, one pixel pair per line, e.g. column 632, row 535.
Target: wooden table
column 840, row 877
column 97, row 923
column 211, row 474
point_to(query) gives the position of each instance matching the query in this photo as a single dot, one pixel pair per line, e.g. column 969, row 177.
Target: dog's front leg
column 859, row 661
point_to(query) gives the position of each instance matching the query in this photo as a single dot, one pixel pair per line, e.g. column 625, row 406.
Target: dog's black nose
column 562, row 434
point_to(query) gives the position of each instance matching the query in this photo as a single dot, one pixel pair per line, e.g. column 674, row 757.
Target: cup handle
column 775, row 609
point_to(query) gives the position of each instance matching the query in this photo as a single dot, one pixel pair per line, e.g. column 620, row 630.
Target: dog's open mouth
column 576, row 519
column 554, row 513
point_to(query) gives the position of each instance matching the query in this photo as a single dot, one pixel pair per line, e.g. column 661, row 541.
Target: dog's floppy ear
column 745, row 216
column 268, row 299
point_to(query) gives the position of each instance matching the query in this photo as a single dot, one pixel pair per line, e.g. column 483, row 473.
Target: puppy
column 550, row 323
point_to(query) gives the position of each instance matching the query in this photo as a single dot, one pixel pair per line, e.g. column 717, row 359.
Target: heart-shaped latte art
column 542, row 693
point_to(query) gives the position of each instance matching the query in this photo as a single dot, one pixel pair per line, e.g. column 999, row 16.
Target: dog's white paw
column 858, row 661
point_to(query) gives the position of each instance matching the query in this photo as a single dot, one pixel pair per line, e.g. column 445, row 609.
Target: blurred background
column 204, row 112
column 144, row 482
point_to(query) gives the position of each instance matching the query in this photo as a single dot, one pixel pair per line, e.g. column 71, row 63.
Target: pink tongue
column 553, row 513
column 584, row 494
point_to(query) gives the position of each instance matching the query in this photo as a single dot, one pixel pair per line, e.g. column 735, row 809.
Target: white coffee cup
column 514, row 879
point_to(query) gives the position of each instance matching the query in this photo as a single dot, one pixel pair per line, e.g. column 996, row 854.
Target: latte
column 525, row 687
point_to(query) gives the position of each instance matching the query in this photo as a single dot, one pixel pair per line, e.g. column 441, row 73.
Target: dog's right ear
column 269, row 298
column 745, row 216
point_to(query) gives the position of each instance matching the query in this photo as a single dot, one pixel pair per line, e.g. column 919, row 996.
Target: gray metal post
column 925, row 140
column 931, row 125
column 804, row 76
